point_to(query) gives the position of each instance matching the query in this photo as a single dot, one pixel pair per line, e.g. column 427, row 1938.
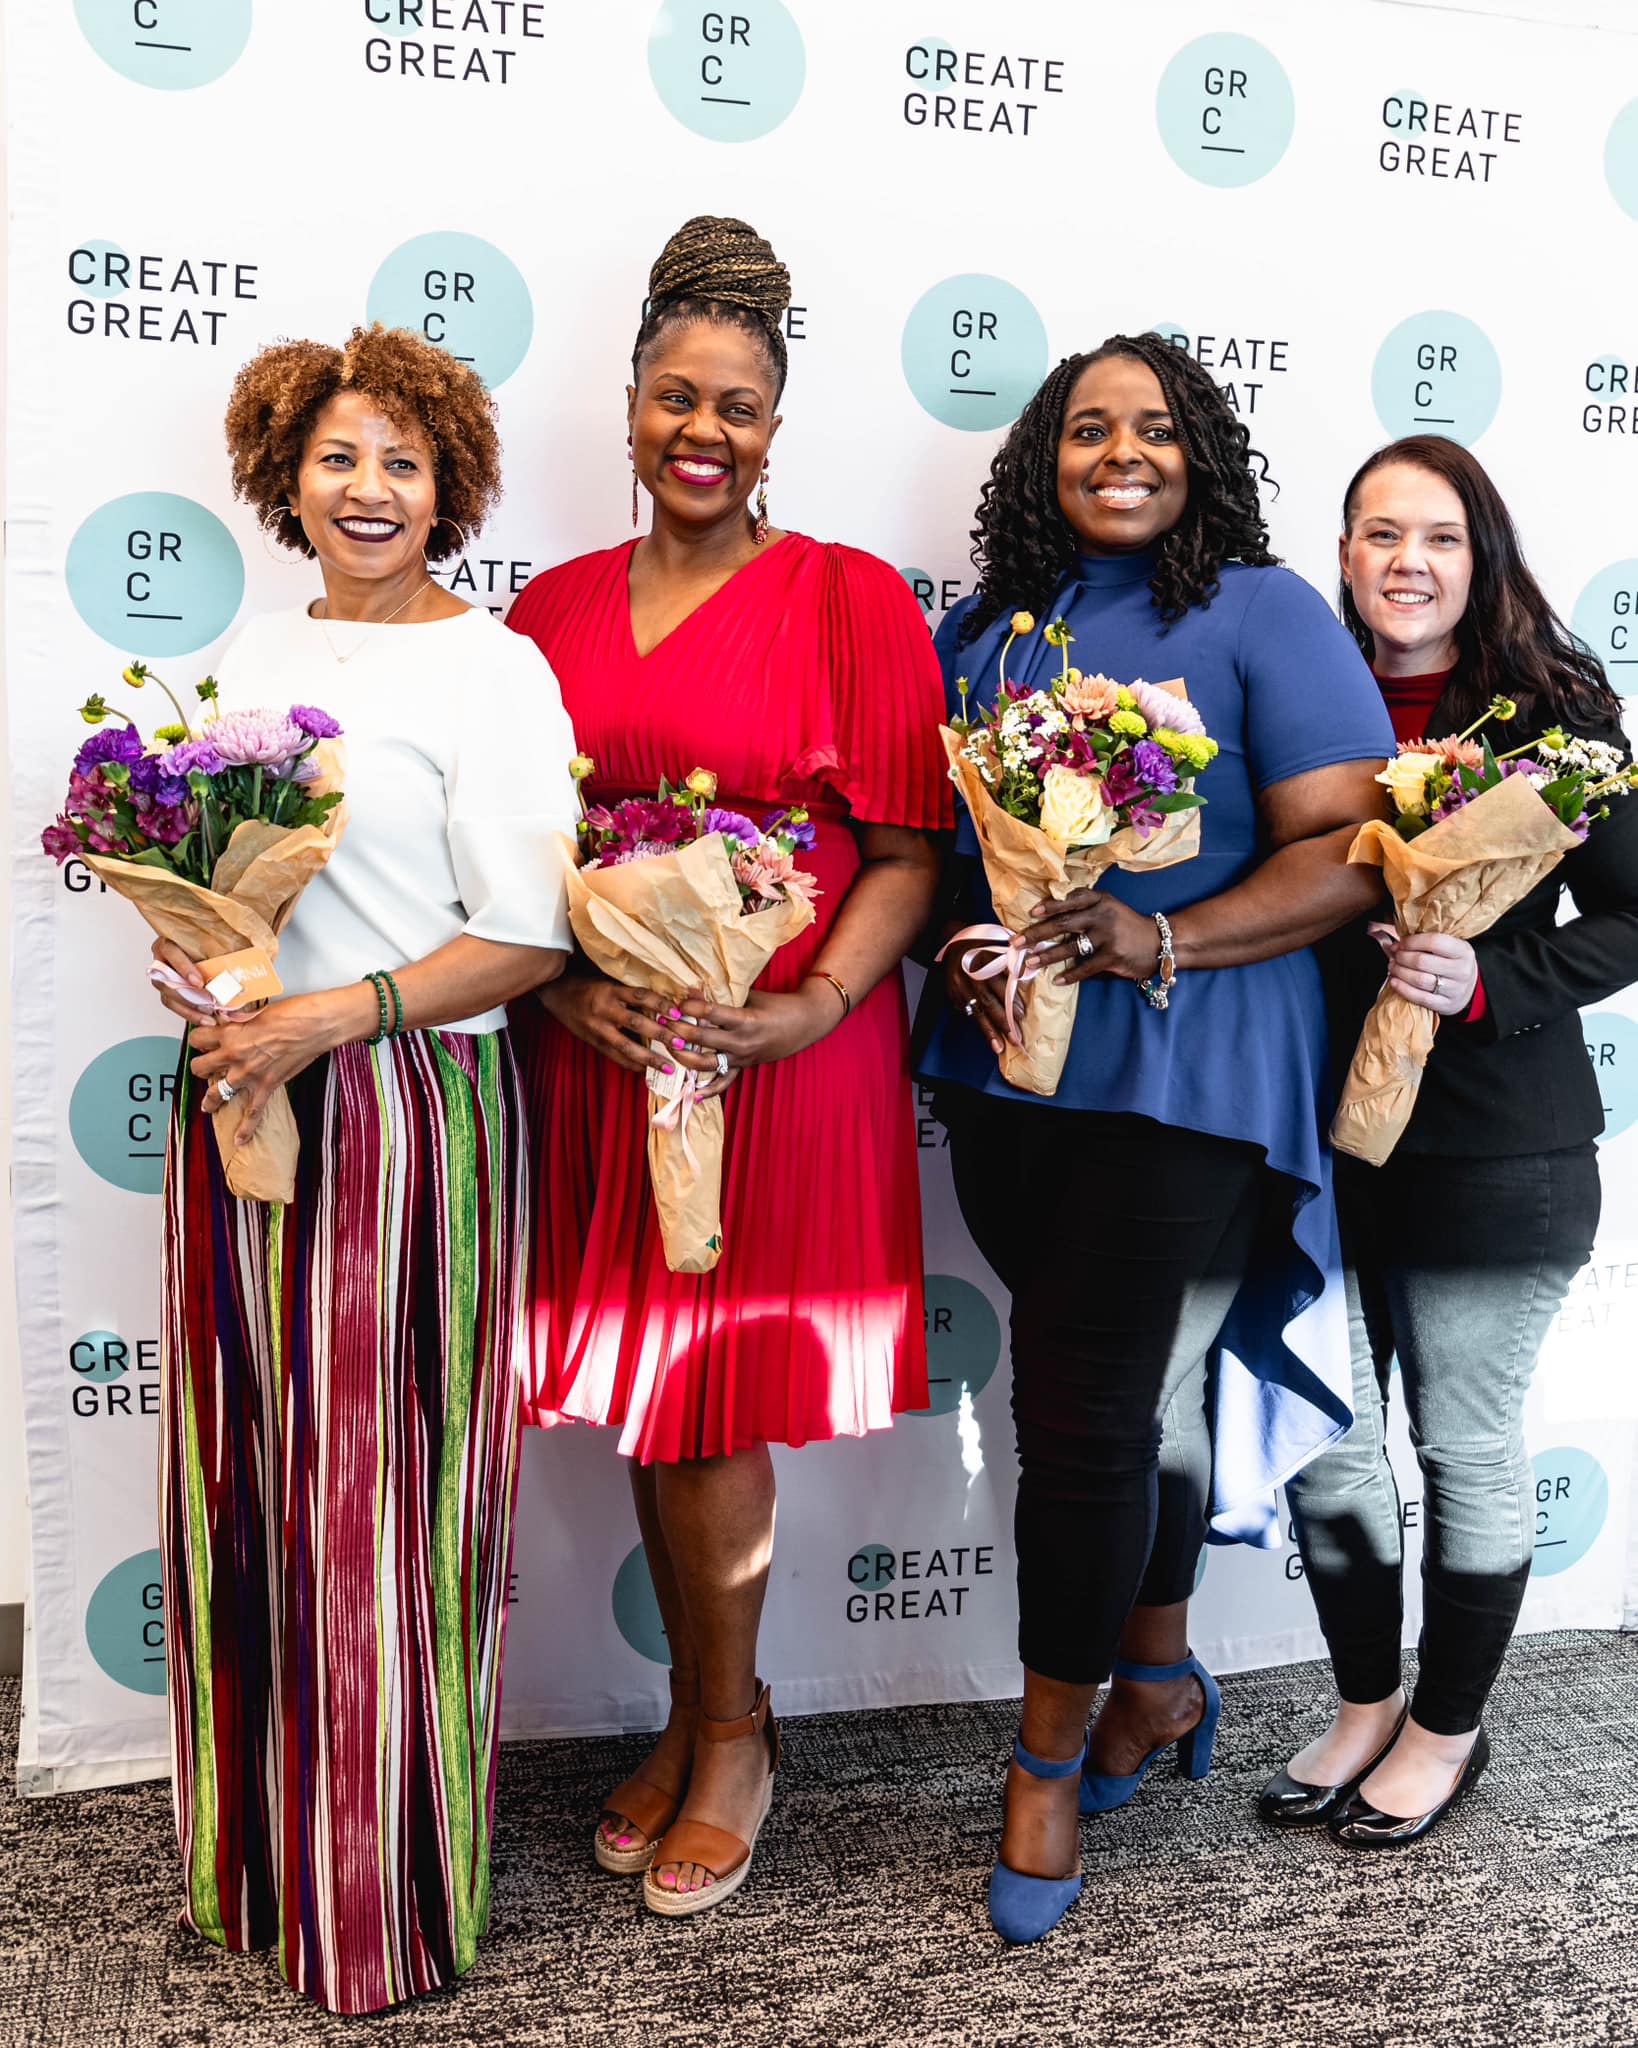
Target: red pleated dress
column 808, row 677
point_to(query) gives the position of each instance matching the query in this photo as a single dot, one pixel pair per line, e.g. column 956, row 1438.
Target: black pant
column 1458, row 1266
column 1122, row 1242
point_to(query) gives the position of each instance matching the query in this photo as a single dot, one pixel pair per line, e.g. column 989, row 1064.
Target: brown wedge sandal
column 725, row 1856
column 644, row 1803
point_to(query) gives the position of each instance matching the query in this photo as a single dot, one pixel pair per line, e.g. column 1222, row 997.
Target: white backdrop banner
column 1364, row 218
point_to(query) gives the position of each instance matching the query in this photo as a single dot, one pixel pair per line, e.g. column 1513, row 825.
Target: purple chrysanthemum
column 731, row 824
column 188, row 757
column 1154, row 764
column 318, row 725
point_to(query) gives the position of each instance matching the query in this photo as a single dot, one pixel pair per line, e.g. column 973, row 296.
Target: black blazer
column 1520, row 1080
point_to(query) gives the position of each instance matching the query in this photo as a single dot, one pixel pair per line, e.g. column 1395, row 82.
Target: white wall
column 13, row 1510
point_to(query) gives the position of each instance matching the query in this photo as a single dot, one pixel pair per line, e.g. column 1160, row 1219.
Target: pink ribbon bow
column 1010, row 951
column 673, row 1115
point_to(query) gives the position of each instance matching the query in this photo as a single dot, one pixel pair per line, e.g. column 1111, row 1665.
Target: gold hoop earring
column 631, row 457
column 762, row 508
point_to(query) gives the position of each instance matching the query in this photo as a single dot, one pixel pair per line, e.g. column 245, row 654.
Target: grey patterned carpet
column 864, row 1921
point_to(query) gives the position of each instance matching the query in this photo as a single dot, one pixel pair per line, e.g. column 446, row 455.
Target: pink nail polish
column 678, row 1044
column 668, row 1070
column 674, row 1013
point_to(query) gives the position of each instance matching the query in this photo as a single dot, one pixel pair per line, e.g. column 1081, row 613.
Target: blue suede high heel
column 1102, row 1791
column 1024, row 1908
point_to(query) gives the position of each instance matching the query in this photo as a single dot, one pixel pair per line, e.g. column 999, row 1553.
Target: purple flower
column 318, row 725
column 731, row 824
column 1154, row 764
column 804, row 835
column 111, row 743
column 258, row 739
column 188, row 757
column 60, row 840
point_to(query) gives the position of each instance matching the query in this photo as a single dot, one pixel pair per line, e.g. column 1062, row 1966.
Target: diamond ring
column 722, row 1066
column 225, row 1091
column 1083, row 945
column 967, row 1009
column 1438, row 984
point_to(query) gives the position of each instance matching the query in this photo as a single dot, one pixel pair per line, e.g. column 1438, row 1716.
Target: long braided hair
column 1023, row 545
column 719, row 269
column 1510, row 642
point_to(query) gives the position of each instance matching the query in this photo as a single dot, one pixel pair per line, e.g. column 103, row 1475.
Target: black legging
column 1122, row 1242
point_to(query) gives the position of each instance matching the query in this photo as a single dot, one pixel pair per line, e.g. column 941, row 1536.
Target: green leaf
column 1179, row 800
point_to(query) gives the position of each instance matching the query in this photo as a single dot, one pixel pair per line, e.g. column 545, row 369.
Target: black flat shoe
column 1359, row 1825
column 1286, row 1802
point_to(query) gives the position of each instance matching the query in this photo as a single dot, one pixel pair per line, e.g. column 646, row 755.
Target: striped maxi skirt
column 338, row 1475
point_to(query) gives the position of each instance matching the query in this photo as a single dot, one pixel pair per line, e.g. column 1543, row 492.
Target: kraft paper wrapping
column 1458, row 877
column 262, row 871
column 1024, row 867
column 671, row 924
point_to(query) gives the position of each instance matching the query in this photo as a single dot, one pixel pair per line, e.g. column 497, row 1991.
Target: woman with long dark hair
column 1182, row 1154
column 1459, row 1250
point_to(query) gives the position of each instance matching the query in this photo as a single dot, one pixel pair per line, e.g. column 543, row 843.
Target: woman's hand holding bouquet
column 212, row 830
column 1062, row 783
column 681, row 904
column 1473, row 833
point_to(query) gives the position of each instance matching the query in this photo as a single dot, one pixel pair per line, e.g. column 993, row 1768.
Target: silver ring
column 225, row 1091
column 722, row 1066
column 1083, row 945
column 967, row 1009
column 1438, row 984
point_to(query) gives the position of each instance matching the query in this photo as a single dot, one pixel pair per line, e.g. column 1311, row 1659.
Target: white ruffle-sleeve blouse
column 457, row 782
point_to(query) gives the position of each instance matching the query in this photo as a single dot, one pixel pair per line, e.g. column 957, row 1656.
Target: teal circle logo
column 1572, row 1499
column 120, row 1110
column 1606, row 617
column 1621, row 159
column 463, row 294
column 125, row 1624
column 963, row 1342
column 974, row 352
column 1437, row 373
column 99, row 1357
column 1225, row 110
column 99, row 270
column 155, row 575
column 922, row 588
column 872, row 1565
column 637, row 1611
column 1612, row 1046
column 730, row 75
column 172, row 44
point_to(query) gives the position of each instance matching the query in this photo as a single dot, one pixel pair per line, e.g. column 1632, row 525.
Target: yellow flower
column 703, row 784
column 1125, row 699
column 1406, row 781
column 582, row 767
column 136, row 675
column 1073, row 811
column 1023, row 622
column 1055, row 635
column 1504, row 708
column 1071, row 677
column 1131, row 725
column 1196, row 751
column 1554, row 740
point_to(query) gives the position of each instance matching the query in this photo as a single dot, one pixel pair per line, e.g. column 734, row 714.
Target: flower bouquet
column 212, row 830
column 1062, row 783
column 673, row 893
column 1473, row 833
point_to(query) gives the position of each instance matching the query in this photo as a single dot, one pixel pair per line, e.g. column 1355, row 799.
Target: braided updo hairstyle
column 1023, row 545
column 718, row 269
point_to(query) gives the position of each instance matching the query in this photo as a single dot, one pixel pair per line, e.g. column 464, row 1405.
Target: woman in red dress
column 799, row 673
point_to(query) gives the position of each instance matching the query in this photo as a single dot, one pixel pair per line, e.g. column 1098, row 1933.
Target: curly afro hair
column 279, row 394
column 1023, row 545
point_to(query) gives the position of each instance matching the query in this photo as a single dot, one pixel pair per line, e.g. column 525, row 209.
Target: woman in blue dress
column 1169, row 1209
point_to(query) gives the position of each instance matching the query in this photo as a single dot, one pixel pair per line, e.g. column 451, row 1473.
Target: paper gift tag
column 246, row 977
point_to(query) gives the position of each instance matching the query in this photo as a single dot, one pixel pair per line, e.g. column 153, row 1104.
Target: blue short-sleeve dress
column 1241, row 1051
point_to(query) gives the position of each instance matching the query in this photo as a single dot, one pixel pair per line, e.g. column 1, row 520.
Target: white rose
column 1073, row 811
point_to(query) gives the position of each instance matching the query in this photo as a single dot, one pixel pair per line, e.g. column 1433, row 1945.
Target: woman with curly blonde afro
column 341, row 1412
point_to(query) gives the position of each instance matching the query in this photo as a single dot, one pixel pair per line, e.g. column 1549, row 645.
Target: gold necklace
column 343, row 659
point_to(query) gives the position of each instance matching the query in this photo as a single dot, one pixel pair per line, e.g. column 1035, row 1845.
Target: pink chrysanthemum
column 1160, row 707
column 258, row 739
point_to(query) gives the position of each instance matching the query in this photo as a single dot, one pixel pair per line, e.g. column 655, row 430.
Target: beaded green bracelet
column 397, row 1003
column 378, row 983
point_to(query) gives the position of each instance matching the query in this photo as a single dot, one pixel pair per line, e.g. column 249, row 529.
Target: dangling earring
column 279, row 512
column 465, row 532
column 631, row 457
column 762, row 508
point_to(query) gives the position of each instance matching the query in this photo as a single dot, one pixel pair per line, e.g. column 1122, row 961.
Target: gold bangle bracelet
column 823, row 974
